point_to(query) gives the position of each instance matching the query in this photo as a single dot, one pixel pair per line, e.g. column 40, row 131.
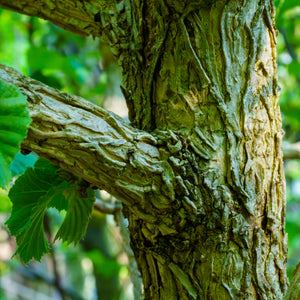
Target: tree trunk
column 207, row 73
column 201, row 173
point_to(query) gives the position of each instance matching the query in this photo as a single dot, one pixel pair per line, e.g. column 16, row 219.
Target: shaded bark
column 200, row 170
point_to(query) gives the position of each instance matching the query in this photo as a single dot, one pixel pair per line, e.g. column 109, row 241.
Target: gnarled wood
column 200, row 170
column 92, row 143
column 207, row 71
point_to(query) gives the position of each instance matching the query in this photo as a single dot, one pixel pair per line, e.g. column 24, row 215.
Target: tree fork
column 206, row 206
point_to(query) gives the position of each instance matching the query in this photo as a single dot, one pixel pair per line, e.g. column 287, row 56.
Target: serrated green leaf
column 38, row 189
column 31, row 195
column 78, row 213
column 14, row 123
column 31, row 241
column 59, row 201
column 28, row 191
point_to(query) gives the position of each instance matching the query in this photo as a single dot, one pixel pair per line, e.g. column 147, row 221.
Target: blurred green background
column 97, row 268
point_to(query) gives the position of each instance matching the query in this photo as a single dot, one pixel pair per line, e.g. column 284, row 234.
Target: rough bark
column 90, row 142
column 205, row 191
column 209, row 74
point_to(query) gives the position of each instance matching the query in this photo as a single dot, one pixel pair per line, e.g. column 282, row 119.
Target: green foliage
column 104, row 266
column 14, row 123
column 80, row 206
column 72, row 64
column 52, row 55
column 5, row 205
column 288, row 48
column 13, row 39
column 30, row 196
column 45, row 61
column 36, row 190
column 284, row 6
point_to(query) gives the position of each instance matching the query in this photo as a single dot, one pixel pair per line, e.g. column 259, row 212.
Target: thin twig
column 288, row 45
column 56, row 281
column 33, row 274
column 107, row 207
column 291, row 151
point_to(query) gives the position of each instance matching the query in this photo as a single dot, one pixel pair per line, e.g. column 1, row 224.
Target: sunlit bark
column 199, row 170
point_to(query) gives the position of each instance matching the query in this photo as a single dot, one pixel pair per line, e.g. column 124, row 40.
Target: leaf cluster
column 38, row 189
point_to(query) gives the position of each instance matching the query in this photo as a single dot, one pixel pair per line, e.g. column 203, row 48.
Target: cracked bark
column 88, row 141
column 199, row 170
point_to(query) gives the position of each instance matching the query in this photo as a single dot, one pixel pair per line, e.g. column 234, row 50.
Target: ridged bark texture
column 207, row 73
column 200, row 170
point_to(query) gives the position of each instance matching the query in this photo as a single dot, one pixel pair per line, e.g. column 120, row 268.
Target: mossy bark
column 200, row 170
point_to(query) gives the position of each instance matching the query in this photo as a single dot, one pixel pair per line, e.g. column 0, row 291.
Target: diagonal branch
column 107, row 207
column 89, row 141
column 115, row 23
column 102, row 18
column 75, row 16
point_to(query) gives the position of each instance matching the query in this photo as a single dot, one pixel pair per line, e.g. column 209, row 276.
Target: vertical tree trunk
column 201, row 77
column 205, row 72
